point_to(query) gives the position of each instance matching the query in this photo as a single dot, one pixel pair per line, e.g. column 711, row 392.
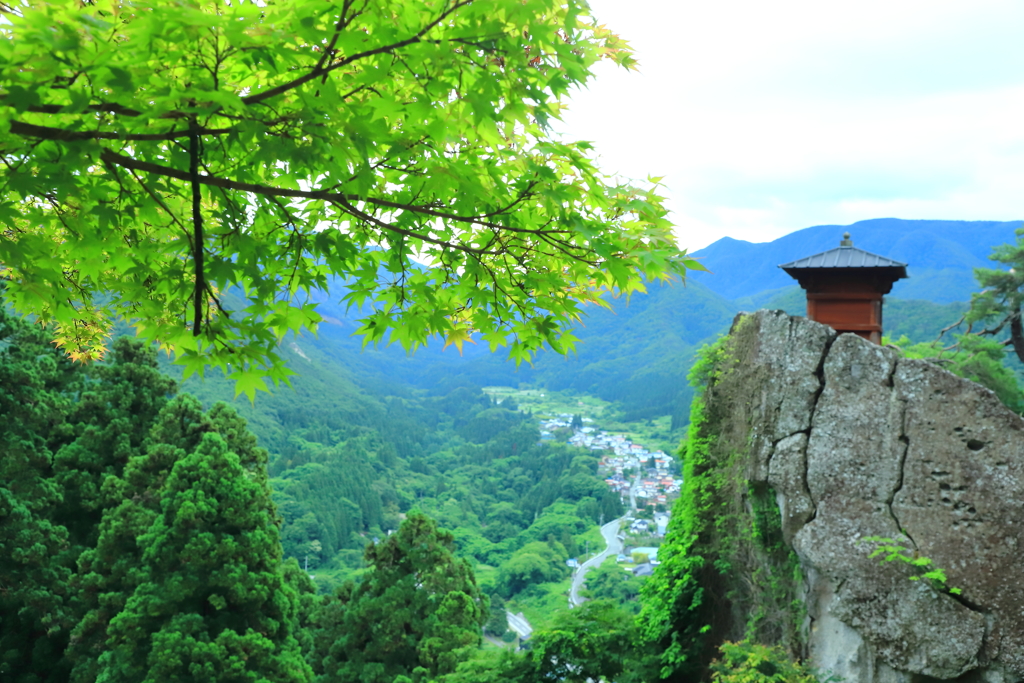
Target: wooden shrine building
column 845, row 287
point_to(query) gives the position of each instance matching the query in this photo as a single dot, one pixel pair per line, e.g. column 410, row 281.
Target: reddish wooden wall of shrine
column 848, row 307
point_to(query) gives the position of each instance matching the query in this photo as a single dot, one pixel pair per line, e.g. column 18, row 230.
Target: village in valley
column 643, row 478
column 621, row 461
column 647, row 479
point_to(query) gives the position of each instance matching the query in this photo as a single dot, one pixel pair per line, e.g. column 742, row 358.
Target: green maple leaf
column 249, row 383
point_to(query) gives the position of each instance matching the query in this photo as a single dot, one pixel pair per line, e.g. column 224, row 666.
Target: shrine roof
column 846, row 256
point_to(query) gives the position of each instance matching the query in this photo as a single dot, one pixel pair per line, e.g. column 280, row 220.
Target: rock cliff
column 857, row 442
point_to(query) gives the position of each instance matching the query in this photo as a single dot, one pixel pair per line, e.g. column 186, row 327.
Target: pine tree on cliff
column 212, row 604
column 414, row 617
column 1000, row 303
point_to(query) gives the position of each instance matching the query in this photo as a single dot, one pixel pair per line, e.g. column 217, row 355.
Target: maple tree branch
column 160, row 202
column 197, row 224
column 373, row 220
column 343, row 21
column 209, row 291
column 320, row 70
column 104, row 108
column 266, row 190
column 31, row 130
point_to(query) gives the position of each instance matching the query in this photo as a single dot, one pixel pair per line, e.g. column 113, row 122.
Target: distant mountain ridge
column 941, row 256
column 640, row 352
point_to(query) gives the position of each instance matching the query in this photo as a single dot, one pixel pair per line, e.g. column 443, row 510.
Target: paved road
column 610, row 531
column 519, row 624
column 632, row 493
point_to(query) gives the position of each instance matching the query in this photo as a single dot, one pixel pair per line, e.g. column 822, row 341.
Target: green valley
column 343, row 487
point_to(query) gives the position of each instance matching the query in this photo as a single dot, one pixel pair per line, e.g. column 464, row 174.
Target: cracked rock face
column 858, row 442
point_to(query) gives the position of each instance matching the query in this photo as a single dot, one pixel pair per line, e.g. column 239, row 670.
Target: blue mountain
column 941, row 256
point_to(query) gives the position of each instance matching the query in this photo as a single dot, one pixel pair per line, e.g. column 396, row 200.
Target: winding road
column 519, row 624
column 610, row 531
column 613, row 546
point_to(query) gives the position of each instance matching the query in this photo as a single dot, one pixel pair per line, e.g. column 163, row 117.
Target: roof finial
column 846, row 241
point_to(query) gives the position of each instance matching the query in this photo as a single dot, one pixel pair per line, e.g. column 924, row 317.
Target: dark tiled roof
column 845, row 257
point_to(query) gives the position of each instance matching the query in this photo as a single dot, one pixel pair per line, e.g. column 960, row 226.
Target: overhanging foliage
column 154, row 155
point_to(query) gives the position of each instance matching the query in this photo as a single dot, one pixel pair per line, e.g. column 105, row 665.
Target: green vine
column 896, row 552
column 724, row 553
column 676, row 614
column 776, row 612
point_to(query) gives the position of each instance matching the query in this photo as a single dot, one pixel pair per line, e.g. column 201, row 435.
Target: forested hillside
column 940, row 256
column 132, row 515
column 348, row 464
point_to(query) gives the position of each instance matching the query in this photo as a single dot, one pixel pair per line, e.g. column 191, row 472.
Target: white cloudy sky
column 768, row 117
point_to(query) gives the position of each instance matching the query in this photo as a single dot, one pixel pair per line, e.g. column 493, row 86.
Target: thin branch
column 350, row 209
column 31, row 130
column 209, row 290
column 318, row 71
column 958, row 323
column 266, row 190
column 162, row 205
column 105, row 107
column 340, row 26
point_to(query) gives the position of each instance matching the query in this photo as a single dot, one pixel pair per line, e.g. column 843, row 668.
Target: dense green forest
column 477, row 468
column 136, row 522
column 348, row 460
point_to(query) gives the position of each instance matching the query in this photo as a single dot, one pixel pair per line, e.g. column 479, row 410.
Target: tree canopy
column 414, row 616
column 1002, row 295
column 199, row 168
column 987, row 330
